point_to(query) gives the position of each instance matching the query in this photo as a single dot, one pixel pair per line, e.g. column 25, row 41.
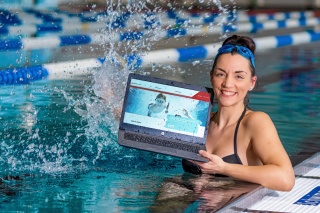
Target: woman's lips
column 227, row 93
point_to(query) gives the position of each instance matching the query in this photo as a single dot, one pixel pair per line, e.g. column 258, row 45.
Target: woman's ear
column 253, row 82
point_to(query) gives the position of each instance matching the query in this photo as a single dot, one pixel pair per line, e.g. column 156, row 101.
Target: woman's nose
column 228, row 81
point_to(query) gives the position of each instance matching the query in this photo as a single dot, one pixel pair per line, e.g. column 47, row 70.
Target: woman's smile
column 226, row 93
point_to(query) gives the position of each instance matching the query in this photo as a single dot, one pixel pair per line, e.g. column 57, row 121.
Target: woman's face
column 232, row 79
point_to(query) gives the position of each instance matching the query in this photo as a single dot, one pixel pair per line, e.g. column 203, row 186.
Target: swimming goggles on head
column 243, row 51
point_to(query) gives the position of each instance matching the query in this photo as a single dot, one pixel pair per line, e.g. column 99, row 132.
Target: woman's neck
column 227, row 116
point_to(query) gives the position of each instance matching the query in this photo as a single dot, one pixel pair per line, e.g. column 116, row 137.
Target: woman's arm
column 275, row 173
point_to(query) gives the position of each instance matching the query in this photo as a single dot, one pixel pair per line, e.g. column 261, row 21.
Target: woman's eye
column 239, row 77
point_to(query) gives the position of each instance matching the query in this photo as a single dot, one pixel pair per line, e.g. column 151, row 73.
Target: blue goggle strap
column 243, row 51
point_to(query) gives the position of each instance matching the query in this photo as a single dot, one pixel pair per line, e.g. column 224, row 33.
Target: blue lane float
column 52, row 22
column 36, row 16
column 37, row 30
column 239, row 16
column 98, row 38
column 69, row 69
column 23, row 75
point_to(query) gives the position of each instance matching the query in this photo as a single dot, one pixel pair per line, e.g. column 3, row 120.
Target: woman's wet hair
column 244, row 41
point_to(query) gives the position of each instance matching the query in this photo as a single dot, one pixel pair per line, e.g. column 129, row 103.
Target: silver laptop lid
column 166, row 108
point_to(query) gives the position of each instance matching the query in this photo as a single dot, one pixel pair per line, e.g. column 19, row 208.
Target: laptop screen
column 167, row 108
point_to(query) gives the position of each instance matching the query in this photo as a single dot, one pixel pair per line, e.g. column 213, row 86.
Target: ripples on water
column 45, row 141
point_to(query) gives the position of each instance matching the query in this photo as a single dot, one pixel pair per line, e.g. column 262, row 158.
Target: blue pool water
column 58, row 138
column 59, row 151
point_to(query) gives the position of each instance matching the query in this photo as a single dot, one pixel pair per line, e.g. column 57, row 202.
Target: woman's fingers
column 205, row 154
column 214, row 164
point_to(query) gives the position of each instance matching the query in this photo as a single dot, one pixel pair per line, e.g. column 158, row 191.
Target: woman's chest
column 223, row 142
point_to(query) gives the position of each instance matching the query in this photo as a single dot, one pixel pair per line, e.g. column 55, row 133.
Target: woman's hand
column 215, row 164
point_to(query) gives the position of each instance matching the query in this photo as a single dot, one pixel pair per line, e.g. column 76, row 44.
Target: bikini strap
column 236, row 133
column 213, row 115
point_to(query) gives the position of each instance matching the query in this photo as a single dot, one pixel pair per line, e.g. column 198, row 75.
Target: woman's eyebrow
column 237, row 71
column 241, row 71
column 218, row 68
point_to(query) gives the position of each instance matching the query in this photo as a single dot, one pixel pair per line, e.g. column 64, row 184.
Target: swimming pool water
column 61, row 141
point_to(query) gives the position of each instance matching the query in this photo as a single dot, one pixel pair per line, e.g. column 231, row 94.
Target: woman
column 241, row 143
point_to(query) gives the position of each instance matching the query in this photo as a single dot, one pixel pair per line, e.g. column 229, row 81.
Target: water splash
column 110, row 80
column 91, row 144
column 100, row 106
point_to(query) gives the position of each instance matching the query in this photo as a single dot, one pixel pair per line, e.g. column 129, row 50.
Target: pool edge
column 256, row 195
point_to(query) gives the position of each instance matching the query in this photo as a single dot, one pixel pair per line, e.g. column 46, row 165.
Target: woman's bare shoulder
column 257, row 114
column 258, row 119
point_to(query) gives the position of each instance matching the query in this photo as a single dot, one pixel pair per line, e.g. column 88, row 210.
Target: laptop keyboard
column 161, row 142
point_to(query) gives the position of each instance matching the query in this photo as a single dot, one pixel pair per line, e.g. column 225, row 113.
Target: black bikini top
column 233, row 158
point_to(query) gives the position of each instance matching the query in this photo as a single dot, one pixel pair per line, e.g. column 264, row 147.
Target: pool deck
column 304, row 197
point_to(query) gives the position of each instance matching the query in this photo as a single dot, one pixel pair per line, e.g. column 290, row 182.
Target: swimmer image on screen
column 159, row 105
column 159, row 109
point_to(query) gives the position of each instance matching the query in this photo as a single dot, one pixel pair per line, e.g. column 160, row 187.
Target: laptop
column 165, row 116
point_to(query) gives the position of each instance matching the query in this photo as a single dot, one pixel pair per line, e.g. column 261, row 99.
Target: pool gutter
column 304, row 197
